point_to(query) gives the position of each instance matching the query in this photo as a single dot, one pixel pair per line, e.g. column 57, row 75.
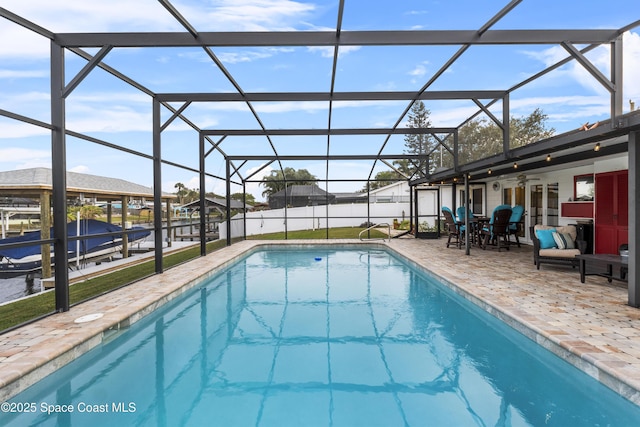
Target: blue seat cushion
column 546, row 238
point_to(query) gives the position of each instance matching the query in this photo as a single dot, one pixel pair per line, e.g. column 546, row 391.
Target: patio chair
column 497, row 230
column 461, row 214
column 515, row 221
column 451, row 227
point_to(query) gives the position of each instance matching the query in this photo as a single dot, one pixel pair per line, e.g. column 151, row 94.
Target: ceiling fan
column 522, row 179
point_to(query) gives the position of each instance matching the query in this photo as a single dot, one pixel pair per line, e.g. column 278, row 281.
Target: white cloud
column 21, row 154
column 243, row 56
column 250, row 15
column 631, row 66
column 78, row 16
column 109, row 112
column 601, row 58
column 13, row 129
column 419, row 71
column 548, row 56
column 416, row 12
column 254, row 187
column 560, row 109
column 23, row 74
column 212, row 185
column 84, row 16
column 327, row 51
column 42, row 98
column 80, row 169
column 218, row 186
column 286, row 107
column 109, row 120
column 23, row 158
column 24, row 43
column 194, row 182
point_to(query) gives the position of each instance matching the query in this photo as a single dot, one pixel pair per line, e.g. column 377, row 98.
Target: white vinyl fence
column 315, row 217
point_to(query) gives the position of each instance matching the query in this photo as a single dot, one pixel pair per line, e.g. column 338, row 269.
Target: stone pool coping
column 588, row 325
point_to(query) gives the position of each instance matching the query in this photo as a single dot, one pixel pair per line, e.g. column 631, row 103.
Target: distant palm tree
column 277, row 180
column 85, row 212
column 182, row 191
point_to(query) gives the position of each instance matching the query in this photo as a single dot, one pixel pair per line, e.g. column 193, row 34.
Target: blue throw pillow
column 546, row 238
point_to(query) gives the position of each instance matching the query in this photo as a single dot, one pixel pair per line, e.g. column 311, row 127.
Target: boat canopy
column 87, row 227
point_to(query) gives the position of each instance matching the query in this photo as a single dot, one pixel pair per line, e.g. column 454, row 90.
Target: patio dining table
column 476, row 224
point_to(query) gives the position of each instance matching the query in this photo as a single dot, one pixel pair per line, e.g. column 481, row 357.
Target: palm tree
column 85, row 212
column 277, row 180
column 182, row 191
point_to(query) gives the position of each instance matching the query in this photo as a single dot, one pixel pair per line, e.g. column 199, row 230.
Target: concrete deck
column 587, row 324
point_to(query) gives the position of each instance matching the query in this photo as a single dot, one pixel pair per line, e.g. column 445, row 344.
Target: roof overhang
column 572, row 147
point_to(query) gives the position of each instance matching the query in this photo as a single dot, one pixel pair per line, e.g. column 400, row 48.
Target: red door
column 611, row 211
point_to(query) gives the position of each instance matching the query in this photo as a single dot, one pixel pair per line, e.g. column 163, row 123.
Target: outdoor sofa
column 556, row 245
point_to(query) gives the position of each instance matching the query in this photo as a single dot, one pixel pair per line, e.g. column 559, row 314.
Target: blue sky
column 108, row 109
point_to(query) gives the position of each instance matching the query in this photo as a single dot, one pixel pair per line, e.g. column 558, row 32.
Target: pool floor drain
column 88, row 318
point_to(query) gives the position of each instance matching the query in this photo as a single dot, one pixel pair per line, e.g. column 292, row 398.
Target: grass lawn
column 18, row 312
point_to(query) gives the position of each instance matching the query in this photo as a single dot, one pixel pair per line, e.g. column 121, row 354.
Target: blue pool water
column 355, row 338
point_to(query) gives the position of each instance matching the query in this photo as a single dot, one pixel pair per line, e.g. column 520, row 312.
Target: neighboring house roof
column 217, row 202
column 300, row 191
column 35, row 179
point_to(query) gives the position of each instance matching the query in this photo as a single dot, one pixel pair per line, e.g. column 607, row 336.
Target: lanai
column 168, row 107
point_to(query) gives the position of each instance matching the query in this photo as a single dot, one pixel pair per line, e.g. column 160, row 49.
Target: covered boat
column 28, row 259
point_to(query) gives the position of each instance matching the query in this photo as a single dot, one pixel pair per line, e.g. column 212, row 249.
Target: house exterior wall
column 398, row 192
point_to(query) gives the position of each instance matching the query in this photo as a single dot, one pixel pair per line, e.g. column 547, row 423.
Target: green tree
column 191, row 194
column 181, row 193
column 277, row 180
column 383, row 178
column 250, row 199
column 402, row 171
column 419, row 144
column 403, row 166
column 85, row 212
column 482, row 138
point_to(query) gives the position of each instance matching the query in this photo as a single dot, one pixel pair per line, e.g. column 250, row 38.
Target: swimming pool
column 320, row 337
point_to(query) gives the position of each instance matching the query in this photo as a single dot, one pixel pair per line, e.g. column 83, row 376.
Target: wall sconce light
column 548, row 157
column 515, row 165
column 597, row 147
column 455, row 179
column 489, row 172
